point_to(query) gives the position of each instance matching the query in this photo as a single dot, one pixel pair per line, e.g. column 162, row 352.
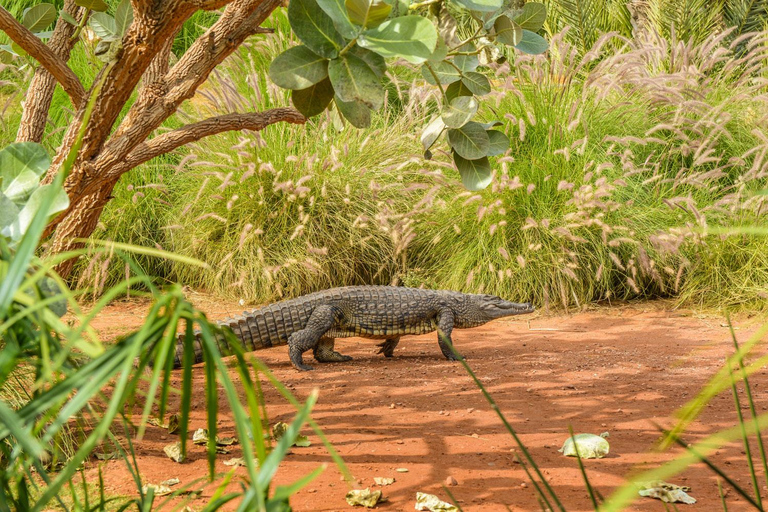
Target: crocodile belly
column 379, row 331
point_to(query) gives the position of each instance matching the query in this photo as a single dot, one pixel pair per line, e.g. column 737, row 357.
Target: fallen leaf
column 173, row 424
column 107, row 456
column 666, row 492
column 279, row 429
column 383, row 481
column 236, row 461
column 170, row 481
column 200, row 436
column 431, row 502
column 157, row 422
column 363, row 497
column 173, row 451
column 589, row 446
column 160, row 490
column 402, row 470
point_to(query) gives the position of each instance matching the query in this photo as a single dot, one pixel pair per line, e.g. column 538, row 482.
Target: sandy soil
column 618, row 370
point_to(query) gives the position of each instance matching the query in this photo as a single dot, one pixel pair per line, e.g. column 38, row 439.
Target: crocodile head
column 476, row 309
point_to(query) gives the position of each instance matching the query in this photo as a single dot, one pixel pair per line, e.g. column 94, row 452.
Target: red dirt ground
column 616, row 370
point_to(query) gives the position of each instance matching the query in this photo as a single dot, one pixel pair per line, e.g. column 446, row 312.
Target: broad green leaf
column 499, row 142
column 470, row 141
column 8, row 211
column 459, row 111
column 123, row 17
column 480, row 5
column 367, row 13
column 532, row 17
column 50, row 288
column 475, row 174
column 94, row 5
column 375, row 61
column 338, row 13
column 21, row 165
column 354, row 80
column 315, row 28
column 455, row 90
column 431, row 132
column 440, row 53
column 410, row 37
column 446, row 73
column 104, row 26
column 313, row 100
column 39, row 17
column 532, row 43
column 6, row 54
column 355, row 112
column 476, row 83
column 35, row 202
column 298, row 68
column 68, row 17
column 492, row 124
column 507, row 31
column 467, row 62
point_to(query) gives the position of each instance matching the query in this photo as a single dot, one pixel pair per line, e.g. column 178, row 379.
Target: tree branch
column 169, row 141
column 42, row 54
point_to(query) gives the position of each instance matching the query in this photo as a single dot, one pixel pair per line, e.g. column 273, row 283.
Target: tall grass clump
column 622, row 162
column 627, row 163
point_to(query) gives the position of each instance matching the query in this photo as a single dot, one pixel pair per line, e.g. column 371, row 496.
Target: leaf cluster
column 343, row 59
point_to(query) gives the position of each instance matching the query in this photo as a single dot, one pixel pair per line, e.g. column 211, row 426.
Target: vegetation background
column 632, row 157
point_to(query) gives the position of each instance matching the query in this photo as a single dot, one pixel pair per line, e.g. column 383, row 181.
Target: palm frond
column 745, row 15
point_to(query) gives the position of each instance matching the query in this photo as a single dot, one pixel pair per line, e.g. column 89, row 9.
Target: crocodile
column 313, row 321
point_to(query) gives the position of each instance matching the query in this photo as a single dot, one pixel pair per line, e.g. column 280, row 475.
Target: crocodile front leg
column 319, row 322
column 388, row 346
column 444, row 330
column 324, row 352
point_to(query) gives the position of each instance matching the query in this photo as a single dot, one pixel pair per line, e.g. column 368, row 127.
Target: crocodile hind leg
column 321, row 319
column 324, row 352
column 388, row 346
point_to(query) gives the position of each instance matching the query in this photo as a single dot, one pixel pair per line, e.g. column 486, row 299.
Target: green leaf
column 467, row 62
column 68, row 18
column 94, row 5
column 532, row 17
column 455, row 90
column 431, row 132
column 35, row 202
column 410, row 37
column 104, row 26
column 355, row 112
column 499, row 142
column 298, row 68
column 21, row 165
column 314, row 28
column 368, row 13
column 470, row 141
column 375, row 61
column 50, row 288
column 354, row 80
column 123, row 17
column 507, row 31
column 476, row 83
column 39, row 17
column 313, row 100
column 440, row 53
column 475, row 174
column 8, row 211
column 480, row 5
column 338, row 13
column 446, row 73
column 459, row 111
column 532, row 43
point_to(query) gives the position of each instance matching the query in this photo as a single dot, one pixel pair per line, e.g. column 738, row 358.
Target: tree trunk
column 40, row 92
column 79, row 224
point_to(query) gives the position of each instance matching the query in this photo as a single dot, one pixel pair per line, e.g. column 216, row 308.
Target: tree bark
column 37, row 102
column 44, row 55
